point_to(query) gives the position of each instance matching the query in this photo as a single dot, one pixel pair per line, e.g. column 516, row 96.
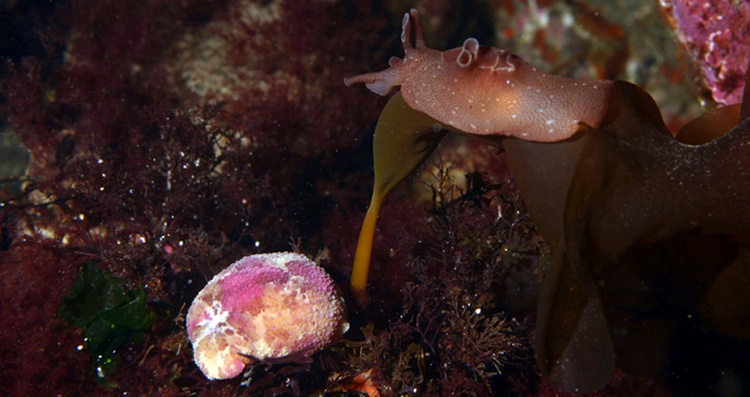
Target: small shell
column 264, row 306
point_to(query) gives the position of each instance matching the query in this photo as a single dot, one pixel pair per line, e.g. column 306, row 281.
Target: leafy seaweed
column 111, row 317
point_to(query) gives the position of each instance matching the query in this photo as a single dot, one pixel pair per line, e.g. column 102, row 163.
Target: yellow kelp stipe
column 403, row 139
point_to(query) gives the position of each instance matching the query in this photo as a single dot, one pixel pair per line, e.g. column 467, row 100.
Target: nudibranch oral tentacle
column 383, row 82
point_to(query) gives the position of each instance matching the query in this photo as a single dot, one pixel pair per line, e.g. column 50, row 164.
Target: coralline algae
column 265, row 306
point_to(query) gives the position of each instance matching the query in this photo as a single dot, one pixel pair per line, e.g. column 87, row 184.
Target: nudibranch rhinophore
column 643, row 226
column 266, row 306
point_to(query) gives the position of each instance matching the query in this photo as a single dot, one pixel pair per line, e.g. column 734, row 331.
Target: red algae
column 41, row 355
column 716, row 34
column 451, row 329
column 277, row 70
column 161, row 185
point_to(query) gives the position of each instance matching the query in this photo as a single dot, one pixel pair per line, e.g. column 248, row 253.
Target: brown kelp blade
column 718, row 122
column 403, row 139
column 745, row 106
column 709, row 126
column 653, row 228
column 574, row 344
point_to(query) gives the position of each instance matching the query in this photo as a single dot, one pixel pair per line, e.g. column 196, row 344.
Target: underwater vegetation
column 452, row 333
column 595, row 164
column 110, row 317
column 169, row 139
column 158, row 185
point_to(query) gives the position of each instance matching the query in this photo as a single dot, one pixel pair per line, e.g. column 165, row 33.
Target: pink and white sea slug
column 266, row 306
column 487, row 91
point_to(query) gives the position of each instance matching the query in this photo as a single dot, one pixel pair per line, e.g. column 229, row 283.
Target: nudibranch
column 644, row 227
column 266, row 306
column 487, row 91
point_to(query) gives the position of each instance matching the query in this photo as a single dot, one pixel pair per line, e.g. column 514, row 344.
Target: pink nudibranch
column 488, row 91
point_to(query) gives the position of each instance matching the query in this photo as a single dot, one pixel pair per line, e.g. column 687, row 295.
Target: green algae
column 110, row 316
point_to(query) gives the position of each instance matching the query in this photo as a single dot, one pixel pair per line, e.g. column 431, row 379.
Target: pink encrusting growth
column 487, row 91
column 264, row 306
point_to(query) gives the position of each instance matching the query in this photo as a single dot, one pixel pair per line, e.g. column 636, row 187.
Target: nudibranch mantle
column 487, row 91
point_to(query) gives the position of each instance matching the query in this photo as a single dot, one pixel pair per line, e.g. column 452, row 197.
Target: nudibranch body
column 265, row 306
column 487, row 91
